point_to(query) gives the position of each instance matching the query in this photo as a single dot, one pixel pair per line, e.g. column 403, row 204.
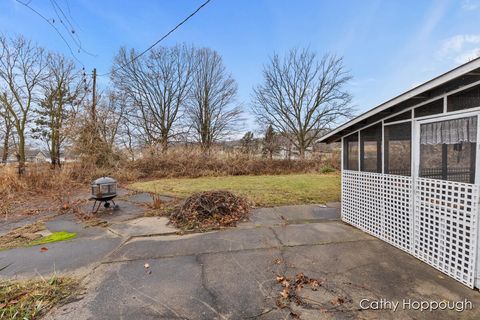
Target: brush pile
column 210, row 210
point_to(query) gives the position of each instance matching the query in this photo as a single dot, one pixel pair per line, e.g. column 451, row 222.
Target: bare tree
column 111, row 112
column 62, row 95
column 6, row 132
column 210, row 109
column 157, row 86
column 302, row 96
column 22, row 70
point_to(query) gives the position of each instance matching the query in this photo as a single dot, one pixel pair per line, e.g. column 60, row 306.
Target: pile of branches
column 210, row 210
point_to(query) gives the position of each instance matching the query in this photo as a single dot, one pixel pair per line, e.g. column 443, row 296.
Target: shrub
column 327, row 169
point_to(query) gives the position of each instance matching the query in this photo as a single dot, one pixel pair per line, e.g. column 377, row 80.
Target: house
column 37, row 156
column 411, row 174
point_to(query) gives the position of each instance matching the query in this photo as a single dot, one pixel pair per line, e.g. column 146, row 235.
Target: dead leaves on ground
column 292, row 288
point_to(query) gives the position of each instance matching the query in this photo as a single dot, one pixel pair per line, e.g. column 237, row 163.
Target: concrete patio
column 231, row 274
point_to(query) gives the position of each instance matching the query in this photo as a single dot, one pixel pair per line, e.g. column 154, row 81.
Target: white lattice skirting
column 437, row 223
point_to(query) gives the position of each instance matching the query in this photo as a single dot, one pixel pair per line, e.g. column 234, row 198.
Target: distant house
column 36, row 156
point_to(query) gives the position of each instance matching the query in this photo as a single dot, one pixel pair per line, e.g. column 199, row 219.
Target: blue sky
column 389, row 46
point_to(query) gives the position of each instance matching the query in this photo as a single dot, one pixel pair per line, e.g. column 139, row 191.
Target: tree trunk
column 6, row 141
column 21, row 153
column 301, row 151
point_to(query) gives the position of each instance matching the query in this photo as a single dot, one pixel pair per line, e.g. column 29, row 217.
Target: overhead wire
column 158, row 41
column 27, row 5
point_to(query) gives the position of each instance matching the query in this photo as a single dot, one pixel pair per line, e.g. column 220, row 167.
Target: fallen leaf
column 280, row 279
column 337, row 301
column 43, row 249
column 314, row 284
column 284, row 293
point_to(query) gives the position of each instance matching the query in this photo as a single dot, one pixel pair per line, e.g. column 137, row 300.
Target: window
column 434, row 107
column 464, row 100
column 402, row 116
column 350, row 152
column 398, row 148
column 448, row 150
column 371, row 149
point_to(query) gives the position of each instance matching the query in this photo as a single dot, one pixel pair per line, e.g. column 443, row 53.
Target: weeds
column 32, row 299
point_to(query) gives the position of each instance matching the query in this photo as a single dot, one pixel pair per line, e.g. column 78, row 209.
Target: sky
column 388, row 46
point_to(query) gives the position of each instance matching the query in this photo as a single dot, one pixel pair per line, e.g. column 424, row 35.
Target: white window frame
column 443, row 117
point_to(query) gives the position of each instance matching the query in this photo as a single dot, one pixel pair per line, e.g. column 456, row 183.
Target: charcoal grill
column 103, row 191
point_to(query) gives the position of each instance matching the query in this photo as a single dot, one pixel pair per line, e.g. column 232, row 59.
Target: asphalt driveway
column 236, row 274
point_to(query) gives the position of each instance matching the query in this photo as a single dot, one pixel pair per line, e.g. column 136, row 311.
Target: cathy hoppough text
column 420, row 305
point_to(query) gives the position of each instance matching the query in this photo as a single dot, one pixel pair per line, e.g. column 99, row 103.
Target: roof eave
column 430, row 84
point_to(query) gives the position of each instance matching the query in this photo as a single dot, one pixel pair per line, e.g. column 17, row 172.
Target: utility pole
column 94, row 97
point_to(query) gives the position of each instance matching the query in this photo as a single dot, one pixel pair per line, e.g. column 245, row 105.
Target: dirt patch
column 209, row 210
column 21, row 236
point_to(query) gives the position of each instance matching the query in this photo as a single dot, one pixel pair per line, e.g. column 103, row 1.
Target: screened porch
column 410, row 178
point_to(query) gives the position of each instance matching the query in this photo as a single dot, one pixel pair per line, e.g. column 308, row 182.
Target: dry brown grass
column 31, row 299
column 58, row 185
column 21, row 236
column 192, row 163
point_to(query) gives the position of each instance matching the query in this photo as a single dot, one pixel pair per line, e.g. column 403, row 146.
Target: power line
column 70, row 29
column 159, row 40
column 27, row 5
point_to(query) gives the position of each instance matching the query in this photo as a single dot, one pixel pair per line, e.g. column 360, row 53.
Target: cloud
column 460, row 48
column 469, row 5
column 467, row 56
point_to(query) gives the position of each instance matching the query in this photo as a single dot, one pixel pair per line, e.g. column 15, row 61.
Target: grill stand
column 106, row 204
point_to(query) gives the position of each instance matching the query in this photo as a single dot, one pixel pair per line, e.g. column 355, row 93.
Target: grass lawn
column 262, row 190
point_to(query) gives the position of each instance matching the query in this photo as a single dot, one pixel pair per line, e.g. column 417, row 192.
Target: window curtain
column 449, row 131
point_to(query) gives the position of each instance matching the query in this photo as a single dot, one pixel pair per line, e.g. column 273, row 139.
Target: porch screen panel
column 371, row 149
column 350, row 152
column 448, row 150
column 398, row 145
column 464, row 100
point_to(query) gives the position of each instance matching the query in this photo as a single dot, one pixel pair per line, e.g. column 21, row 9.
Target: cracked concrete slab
column 276, row 216
column 231, row 274
column 318, row 233
column 142, row 227
column 61, row 257
column 167, row 246
column 242, row 285
column 308, row 212
column 126, row 211
column 356, row 271
column 145, row 198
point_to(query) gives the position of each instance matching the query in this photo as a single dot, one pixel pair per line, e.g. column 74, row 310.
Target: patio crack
column 203, row 281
